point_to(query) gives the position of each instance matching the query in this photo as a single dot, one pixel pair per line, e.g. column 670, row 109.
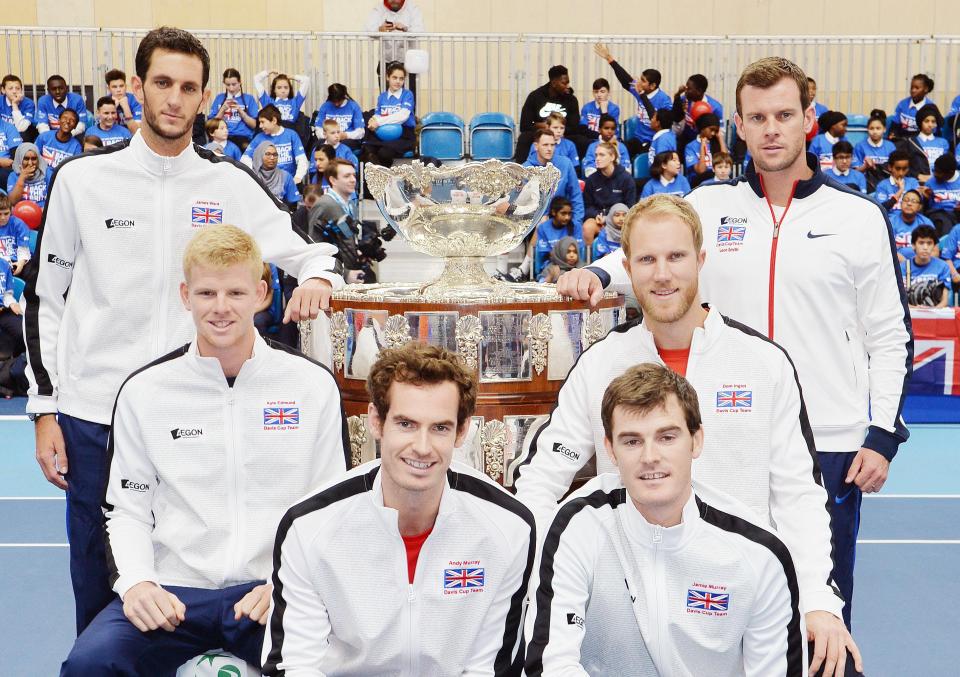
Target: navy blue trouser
column 86, row 479
column 844, row 500
column 112, row 646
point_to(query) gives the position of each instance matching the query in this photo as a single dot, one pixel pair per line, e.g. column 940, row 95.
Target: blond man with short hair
column 209, row 445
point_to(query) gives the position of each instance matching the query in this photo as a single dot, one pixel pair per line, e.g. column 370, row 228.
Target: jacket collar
column 804, row 188
column 210, row 367
column 646, row 535
column 390, row 517
column 703, row 337
column 160, row 164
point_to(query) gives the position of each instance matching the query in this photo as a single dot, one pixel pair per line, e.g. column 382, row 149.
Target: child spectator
column 891, row 190
column 129, row 110
column 333, row 135
column 667, row 176
column 292, row 158
column 722, row 166
column 608, row 134
column 220, row 142
column 694, row 90
column 943, row 193
column 870, row 156
column 321, row 158
column 58, row 144
column 550, row 232
column 905, row 114
column 926, row 146
column 608, row 240
column 907, row 220
column 833, row 125
column 30, row 176
column 91, row 143
column 663, row 137
column 394, row 107
column 818, row 108
column 604, row 188
column 54, row 101
column 107, row 128
column 340, row 107
column 15, row 108
column 926, row 279
column 280, row 93
column 235, row 108
column 312, row 193
column 11, row 320
column 14, row 237
column 277, row 181
column 698, row 154
column 564, row 256
column 950, row 252
column 646, row 91
column 601, row 105
column 842, row 160
column 9, row 140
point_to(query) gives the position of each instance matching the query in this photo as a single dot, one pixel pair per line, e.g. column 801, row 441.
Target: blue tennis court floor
column 909, row 556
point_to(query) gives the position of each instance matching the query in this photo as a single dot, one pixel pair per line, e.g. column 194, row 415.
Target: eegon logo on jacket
column 186, row 433
column 134, row 486
column 119, row 223
column 566, row 451
column 57, row 261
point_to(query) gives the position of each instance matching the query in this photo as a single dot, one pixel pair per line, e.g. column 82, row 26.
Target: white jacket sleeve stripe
column 793, row 647
column 275, row 637
column 513, row 625
column 545, row 592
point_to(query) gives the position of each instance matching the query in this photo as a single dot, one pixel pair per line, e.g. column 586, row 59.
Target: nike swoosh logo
column 812, row 235
column 840, row 499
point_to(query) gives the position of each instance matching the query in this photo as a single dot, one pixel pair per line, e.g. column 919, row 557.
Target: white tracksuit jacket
column 757, row 446
column 825, row 284
column 201, row 473
column 113, row 233
column 342, row 602
column 616, row 596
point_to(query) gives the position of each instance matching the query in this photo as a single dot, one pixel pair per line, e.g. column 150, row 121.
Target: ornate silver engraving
column 397, row 331
column 493, row 441
column 593, row 330
column 468, row 336
column 540, row 334
column 357, row 430
column 338, row 339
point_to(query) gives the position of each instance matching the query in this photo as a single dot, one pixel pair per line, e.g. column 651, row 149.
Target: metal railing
column 472, row 73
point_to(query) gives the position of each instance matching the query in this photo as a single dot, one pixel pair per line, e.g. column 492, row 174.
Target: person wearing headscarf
column 276, row 180
column 30, row 176
column 608, row 240
column 564, row 256
column 833, row 126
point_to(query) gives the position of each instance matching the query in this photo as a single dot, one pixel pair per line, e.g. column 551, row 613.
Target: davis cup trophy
column 522, row 338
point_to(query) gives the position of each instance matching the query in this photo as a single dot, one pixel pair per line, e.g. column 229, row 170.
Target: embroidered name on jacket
column 731, row 233
column 463, row 578
column 732, row 401
column 281, row 416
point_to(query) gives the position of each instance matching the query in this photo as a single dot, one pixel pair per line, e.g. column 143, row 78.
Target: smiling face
column 268, row 125
column 774, row 125
column 417, row 435
column 107, row 113
column 68, row 122
column 654, row 451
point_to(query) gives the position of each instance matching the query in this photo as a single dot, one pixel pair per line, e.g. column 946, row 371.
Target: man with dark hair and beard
column 121, row 221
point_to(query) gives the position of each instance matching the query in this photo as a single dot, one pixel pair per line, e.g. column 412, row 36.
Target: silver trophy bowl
column 464, row 214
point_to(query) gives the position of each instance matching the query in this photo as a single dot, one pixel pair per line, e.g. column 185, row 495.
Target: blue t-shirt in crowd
column 290, row 192
column 905, row 114
column 35, row 192
column 568, row 186
column 714, row 104
column 946, row 194
column 55, row 151
column 879, row 154
column 590, row 115
column 14, row 235
column 659, row 99
column 6, row 279
column 852, row 178
column 549, row 235
column 344, row 152
column 819, row 109
column 691, row 156
column 603, row 246
column 9, row 139
column 48, row 111
column 235, row 124
column 348, row 115
column 902, row 231
column 924, row 280
column 822, row 147
column 950, row 247
column 886, row 189
column 388, row 103
column 933, row 147
column 116, row 134
column 590, row 158
column 28, row 109
column 289, row 108
column 136, row 110
column 662, row 141
column 678, row 186
column 289, row 148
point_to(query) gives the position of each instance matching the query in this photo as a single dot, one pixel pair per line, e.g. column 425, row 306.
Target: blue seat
column 491, row 136
column 18, row 287
column 856, row 129
column 630, row 127
column 442, row 136
column 33, row 242
column 641, row 166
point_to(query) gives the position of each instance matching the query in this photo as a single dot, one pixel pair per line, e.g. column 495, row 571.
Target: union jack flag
column 281, row 416
column 734, row 399
column 731, row 233
column 708, row 601
column 206, row 215
column 454, row 579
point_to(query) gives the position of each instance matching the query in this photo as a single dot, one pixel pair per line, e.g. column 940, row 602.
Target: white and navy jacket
column 342, row 602
column 824, row 282
column 113, row 234
column 758, row 446
column 615, row 595
column 201, row 472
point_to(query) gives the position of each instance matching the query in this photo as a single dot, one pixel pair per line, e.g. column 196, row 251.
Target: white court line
column 906, row 541
column 14, row 417
column 911, row 495
column 34, row 545
column 32, row 498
